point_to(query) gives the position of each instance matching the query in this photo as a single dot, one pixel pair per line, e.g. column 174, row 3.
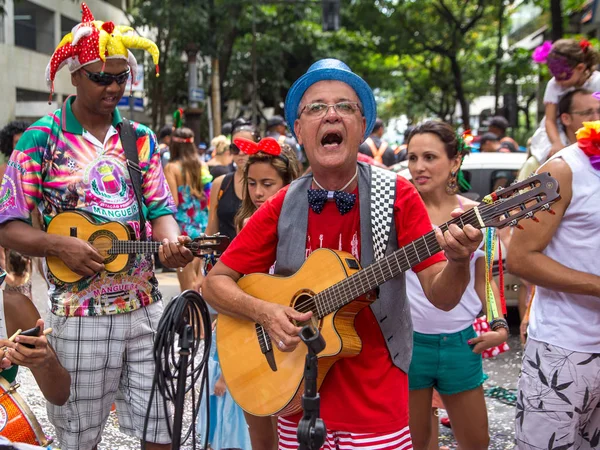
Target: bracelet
column 499, row 323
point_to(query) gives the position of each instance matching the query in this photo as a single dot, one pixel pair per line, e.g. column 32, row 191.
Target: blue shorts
column 445, row 362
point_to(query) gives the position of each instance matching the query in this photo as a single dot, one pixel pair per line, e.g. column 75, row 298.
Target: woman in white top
column 447, row 352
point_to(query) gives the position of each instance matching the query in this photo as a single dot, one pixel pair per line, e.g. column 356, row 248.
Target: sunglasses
column 234, row 149
column 106, row 79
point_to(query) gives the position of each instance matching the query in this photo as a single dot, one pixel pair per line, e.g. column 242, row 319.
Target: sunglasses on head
column 106, row 79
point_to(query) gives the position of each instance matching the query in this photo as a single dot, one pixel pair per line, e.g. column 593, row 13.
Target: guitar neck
column 129, row 247
column 342, row 293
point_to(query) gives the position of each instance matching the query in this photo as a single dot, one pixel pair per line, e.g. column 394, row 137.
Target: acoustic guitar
column 265, row 381
column 116, row 242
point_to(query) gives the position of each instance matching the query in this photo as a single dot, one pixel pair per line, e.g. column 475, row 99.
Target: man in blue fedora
column 362, row 210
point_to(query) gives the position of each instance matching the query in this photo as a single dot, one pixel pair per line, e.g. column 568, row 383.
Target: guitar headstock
column 205, row 245
column 520, row 201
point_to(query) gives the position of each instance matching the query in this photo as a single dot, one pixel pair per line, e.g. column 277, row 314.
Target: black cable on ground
column 188, row 308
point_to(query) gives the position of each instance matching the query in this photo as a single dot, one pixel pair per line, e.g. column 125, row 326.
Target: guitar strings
column 329, row 298
column 348, row 286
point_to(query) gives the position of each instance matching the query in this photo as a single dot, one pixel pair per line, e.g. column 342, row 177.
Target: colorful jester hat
column 93, row 40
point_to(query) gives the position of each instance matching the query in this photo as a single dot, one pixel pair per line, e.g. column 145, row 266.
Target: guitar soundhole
column 304, row 302
column 102, row 240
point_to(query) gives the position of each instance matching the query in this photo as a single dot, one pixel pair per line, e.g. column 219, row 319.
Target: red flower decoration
column 584, row 44
column 267, row 145
column 588, row 139
column 590, row 147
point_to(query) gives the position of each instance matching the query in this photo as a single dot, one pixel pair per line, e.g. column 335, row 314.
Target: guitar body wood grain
column 99, row 235
column 253, row 384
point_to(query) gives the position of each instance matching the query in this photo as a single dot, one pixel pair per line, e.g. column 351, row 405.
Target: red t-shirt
column 366, row 393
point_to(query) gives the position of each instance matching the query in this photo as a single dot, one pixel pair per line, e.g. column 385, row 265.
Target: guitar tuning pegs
column 535, row 219
column 551, row 211
column 518, row 227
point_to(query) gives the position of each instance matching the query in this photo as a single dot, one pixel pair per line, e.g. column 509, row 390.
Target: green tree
column 289, row 39
column 454, row 32
column 179, row 27
column 170, row 21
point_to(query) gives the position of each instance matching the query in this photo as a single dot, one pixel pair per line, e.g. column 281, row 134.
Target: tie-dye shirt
column 58, row 166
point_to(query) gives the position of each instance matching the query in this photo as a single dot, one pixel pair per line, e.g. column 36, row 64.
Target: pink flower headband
column 540, row 54
column 561, row 65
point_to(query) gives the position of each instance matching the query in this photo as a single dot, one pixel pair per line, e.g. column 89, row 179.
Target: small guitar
column 265, row 381
column 116, row 242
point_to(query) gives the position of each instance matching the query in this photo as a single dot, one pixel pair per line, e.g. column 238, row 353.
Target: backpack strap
column 372, row 146
column 377, row 152
column 128, row 140
column 383, row 197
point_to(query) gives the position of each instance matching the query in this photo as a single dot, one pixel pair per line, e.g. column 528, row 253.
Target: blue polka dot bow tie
column 343, row 200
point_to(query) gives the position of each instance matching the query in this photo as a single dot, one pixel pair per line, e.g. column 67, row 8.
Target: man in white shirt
column 574, row 108
column 559, row 388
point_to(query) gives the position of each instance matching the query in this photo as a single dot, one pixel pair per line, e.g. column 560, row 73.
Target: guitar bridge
column 266, row 347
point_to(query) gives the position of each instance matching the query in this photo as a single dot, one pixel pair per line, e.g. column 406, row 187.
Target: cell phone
column 35, row 332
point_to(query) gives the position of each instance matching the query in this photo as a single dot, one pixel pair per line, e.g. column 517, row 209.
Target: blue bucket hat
column 331, row 69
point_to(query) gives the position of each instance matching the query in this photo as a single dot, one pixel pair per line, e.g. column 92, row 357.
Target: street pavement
column 502, row 370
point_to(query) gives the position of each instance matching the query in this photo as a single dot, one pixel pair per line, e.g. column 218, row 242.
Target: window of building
column 26, row 95
column 66, row 25
column 34, row 27
column 2, row 27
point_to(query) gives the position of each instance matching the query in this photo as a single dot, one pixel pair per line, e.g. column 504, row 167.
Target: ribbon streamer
column 490, row 241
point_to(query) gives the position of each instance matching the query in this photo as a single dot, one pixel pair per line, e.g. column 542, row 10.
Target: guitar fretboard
column 127, row 247
column 342, row 293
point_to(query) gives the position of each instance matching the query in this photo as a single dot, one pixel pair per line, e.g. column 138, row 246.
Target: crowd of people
column 315, row 179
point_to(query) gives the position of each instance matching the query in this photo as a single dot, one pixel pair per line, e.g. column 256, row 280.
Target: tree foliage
column 421, row 57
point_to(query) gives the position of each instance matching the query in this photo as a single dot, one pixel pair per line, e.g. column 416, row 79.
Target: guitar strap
column 128, row 140
column 383, row 196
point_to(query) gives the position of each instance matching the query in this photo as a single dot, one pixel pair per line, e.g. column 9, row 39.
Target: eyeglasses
column 106, row 79
column 316, row 110
column 587, row 112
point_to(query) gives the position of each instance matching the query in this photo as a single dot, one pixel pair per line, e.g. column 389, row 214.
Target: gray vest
column 391, row 307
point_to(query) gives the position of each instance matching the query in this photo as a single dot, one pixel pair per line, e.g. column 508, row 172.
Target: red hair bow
column 267, row 145
column 584, row 44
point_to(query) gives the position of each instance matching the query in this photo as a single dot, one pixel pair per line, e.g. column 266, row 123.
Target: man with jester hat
column 74, row 159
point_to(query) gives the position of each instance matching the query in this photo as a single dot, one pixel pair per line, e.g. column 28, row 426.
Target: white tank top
column 572, row 321
column 428, row 319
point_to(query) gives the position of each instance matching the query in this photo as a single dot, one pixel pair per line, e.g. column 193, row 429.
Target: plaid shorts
column 110, row 360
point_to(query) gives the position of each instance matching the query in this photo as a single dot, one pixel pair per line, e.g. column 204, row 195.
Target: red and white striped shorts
column 344, row 440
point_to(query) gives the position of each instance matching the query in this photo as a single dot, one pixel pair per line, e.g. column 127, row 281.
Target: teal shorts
column 445, row 362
